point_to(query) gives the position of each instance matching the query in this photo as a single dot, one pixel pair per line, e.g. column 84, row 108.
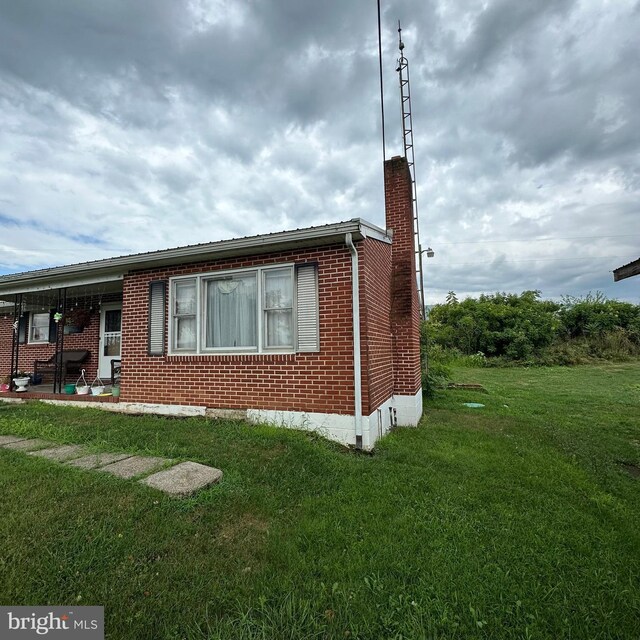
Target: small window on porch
column 39, row 327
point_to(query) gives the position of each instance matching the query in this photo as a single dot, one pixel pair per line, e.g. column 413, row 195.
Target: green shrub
column 436, row 376
column 594, row 315
column 516, row 326
column 525, row 330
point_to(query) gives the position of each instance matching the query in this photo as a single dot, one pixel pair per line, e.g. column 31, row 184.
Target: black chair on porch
column 68, row 362
column 116, row 370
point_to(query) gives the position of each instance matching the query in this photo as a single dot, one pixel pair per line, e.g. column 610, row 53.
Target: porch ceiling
column 48, row 296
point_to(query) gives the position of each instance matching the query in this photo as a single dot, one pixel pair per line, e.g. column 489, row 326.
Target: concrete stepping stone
column 61, row 453
column 96, row 460
column 29, row 445
column 134, row 466
column 183, row 479
column 8, row 439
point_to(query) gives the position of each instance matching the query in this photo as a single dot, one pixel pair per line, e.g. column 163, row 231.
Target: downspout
column 357, row 376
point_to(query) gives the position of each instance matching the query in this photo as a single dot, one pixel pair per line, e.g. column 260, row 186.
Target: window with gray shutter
column 157, row 294
column 307, row 308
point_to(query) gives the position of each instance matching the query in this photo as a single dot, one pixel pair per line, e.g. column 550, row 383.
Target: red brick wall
column 375, row 325
column 313, row 382
column 405, row 307
column 29, row 353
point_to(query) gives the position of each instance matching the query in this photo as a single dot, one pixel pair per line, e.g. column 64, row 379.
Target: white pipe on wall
column 357, row 376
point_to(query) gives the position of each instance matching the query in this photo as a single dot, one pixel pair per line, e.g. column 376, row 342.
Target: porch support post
column 60, row 308
column 15, row 343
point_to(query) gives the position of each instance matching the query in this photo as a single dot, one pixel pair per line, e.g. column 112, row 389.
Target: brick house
column 315, row 328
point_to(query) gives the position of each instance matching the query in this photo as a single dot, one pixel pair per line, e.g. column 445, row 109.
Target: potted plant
column 21, row 381
column 4, row 385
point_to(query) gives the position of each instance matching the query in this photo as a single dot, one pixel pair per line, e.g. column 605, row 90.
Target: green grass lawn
column 512, row 521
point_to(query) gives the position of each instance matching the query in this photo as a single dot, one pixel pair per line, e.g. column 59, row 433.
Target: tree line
column 507, row 328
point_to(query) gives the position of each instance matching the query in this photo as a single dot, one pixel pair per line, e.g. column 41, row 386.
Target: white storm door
column 110, row 338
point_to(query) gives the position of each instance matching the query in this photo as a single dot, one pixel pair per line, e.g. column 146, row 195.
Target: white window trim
column 172, row 316
column 200, row 281
column 31, row 325
column 263, row 311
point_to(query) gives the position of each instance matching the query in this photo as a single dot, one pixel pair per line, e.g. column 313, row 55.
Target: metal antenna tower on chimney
column 407, row 137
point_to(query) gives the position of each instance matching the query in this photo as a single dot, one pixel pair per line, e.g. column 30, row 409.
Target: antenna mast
column 407, row 137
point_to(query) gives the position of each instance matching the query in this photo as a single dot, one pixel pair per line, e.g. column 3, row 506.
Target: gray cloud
column 131, row 126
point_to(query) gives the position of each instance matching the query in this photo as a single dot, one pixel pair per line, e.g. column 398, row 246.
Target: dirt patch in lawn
column 243, row 529
column 632, row 469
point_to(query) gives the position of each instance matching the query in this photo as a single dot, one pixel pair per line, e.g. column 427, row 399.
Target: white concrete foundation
column 403, row 411
column 333, row 426
column 377, row 424
column 178, row 410
column 409, row 409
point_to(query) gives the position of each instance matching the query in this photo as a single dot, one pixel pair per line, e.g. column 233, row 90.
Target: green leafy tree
column 526, row 328
column 501, row 324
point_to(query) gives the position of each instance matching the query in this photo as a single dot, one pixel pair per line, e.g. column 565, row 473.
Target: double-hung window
column 244, row 311
column 184, row 315
column 277, row 307
column 39, row 327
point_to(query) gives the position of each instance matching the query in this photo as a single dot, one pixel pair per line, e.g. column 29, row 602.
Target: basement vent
column 157, row 296
column 307, row 308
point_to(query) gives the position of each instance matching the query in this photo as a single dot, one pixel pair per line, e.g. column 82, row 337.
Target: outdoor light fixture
column 429, row 251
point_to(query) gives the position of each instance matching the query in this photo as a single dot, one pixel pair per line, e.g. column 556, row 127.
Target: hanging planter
column 82, row 388
column 76, row 320
column 97, row 387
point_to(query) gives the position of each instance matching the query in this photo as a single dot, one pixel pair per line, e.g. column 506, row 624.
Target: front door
column 110, row 338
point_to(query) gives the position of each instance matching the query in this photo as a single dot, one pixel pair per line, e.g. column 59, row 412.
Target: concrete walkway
column 179, row 480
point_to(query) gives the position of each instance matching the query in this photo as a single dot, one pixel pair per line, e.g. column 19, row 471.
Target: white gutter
column 357, row 376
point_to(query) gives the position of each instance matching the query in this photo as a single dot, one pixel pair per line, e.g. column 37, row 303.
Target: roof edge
column 115, row 268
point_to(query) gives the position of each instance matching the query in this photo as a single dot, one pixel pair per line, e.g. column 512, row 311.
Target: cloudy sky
column 129, row 126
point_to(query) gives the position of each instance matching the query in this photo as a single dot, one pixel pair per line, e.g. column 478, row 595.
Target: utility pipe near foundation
column 357, row 375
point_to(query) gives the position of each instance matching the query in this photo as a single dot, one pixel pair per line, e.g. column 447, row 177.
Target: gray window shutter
column 307, row 308
column 22, row 328
column 157, row 296
column 53, row 326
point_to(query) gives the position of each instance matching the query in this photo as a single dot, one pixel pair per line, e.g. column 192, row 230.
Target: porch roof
column 627, row 270
column 113, row 269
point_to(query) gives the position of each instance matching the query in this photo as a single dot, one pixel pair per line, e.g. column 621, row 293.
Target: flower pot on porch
column 21, row 383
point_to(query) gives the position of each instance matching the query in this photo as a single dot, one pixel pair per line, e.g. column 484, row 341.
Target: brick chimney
column 405, row 306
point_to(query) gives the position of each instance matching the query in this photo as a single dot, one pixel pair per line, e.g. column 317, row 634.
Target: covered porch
column 46, row 392
column 56, row 338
